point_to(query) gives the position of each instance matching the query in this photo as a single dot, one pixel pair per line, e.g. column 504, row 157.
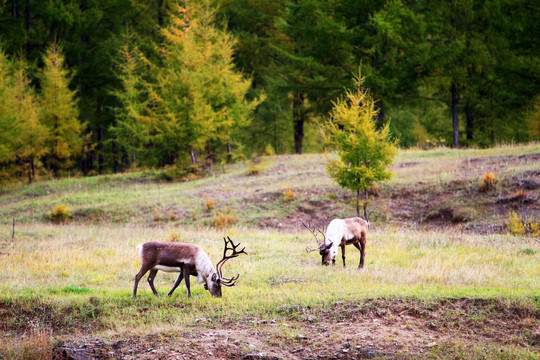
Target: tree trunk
column 14, row 9
column 193, row 155
column 358, row 203
column 29, row 173
column 27, row 28
column 101, row 160
column 455, row 123
column 115, row 157
column 469, row 117
column 379, row 119
column 298, row 122
column 365, row 206
column 160, row 13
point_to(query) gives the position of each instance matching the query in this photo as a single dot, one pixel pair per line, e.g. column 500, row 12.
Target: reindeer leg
column 144, row 269
column 362, row 249
column 151, row 278
column 178, row 281
column 343, row 255
column 357, row 245
column 187, row 271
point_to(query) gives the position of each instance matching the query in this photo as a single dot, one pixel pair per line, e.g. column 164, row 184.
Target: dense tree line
column 94, row 86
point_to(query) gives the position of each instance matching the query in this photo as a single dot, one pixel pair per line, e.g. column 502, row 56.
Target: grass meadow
column 77, row 277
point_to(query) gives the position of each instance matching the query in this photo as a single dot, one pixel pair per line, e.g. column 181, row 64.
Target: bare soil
column 377, row 328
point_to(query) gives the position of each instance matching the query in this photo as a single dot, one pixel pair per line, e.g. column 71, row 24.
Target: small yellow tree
column 364, row 152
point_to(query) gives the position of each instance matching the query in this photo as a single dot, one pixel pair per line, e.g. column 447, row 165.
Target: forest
column 104, row 86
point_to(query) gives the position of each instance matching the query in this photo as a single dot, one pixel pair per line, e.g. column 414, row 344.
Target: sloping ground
column 435, row 189
column 386, row 329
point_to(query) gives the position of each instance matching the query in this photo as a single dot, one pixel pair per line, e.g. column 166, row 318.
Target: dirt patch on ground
column 458, row 204
column 382, row 328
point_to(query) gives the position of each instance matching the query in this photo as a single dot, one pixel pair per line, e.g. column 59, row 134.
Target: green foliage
column 487, row 183
column 186, row 96
column 197, row 98
column 60, row 214
column 131, row 130
column 224, row 219
column 364, row 152
column 521, row 226
column 60, row 111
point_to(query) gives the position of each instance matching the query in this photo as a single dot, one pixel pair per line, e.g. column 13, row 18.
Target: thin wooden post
column 13, row 229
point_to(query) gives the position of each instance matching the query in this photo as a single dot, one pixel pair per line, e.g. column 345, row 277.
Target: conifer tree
column 364, row 152
column 130, row 130
column 31, row 134
column 198, row 97
column 8, row 125
column 60, row 112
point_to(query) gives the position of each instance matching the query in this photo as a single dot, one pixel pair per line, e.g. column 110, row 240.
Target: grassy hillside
column 428, row 186
column 443, row 277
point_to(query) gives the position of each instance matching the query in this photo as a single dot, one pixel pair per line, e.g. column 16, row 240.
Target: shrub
column 225, row 219
column 255, row 166
column 487, row 183
column 521, row 194
column 173, row 237
column 519, row 226
column 60, row 214
column 209, row 204
column 269, row 150
column 288, row 195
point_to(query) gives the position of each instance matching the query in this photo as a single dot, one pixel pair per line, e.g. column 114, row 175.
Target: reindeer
column 187, row 259
column 341, row 232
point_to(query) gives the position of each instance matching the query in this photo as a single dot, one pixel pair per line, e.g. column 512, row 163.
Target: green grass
column 80, row 275
column 66, row 265
column 137, row 198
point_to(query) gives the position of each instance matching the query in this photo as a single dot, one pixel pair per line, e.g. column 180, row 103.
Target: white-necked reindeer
column 341, row 232
column 188, row 259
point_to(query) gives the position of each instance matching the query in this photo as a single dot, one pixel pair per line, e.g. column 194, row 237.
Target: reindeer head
column 217, row 279
column 325, row 250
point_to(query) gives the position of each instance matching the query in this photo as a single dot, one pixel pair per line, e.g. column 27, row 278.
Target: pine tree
column 364, row 152
column 60, row 112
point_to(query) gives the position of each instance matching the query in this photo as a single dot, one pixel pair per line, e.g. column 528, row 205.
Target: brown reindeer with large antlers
column 187, row 259
column 341, row 232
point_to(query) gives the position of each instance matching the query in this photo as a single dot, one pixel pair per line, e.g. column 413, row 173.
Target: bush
column 225, row 219
column 255, row 166
column 269, row 150
column 209, row 204
column 519, row 226
column 60, row 214
column 288, row 195
column 173, row 237
column 487, row 183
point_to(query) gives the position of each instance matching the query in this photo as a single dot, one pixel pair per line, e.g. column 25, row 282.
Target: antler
column 228, row 281
column 314, row 233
